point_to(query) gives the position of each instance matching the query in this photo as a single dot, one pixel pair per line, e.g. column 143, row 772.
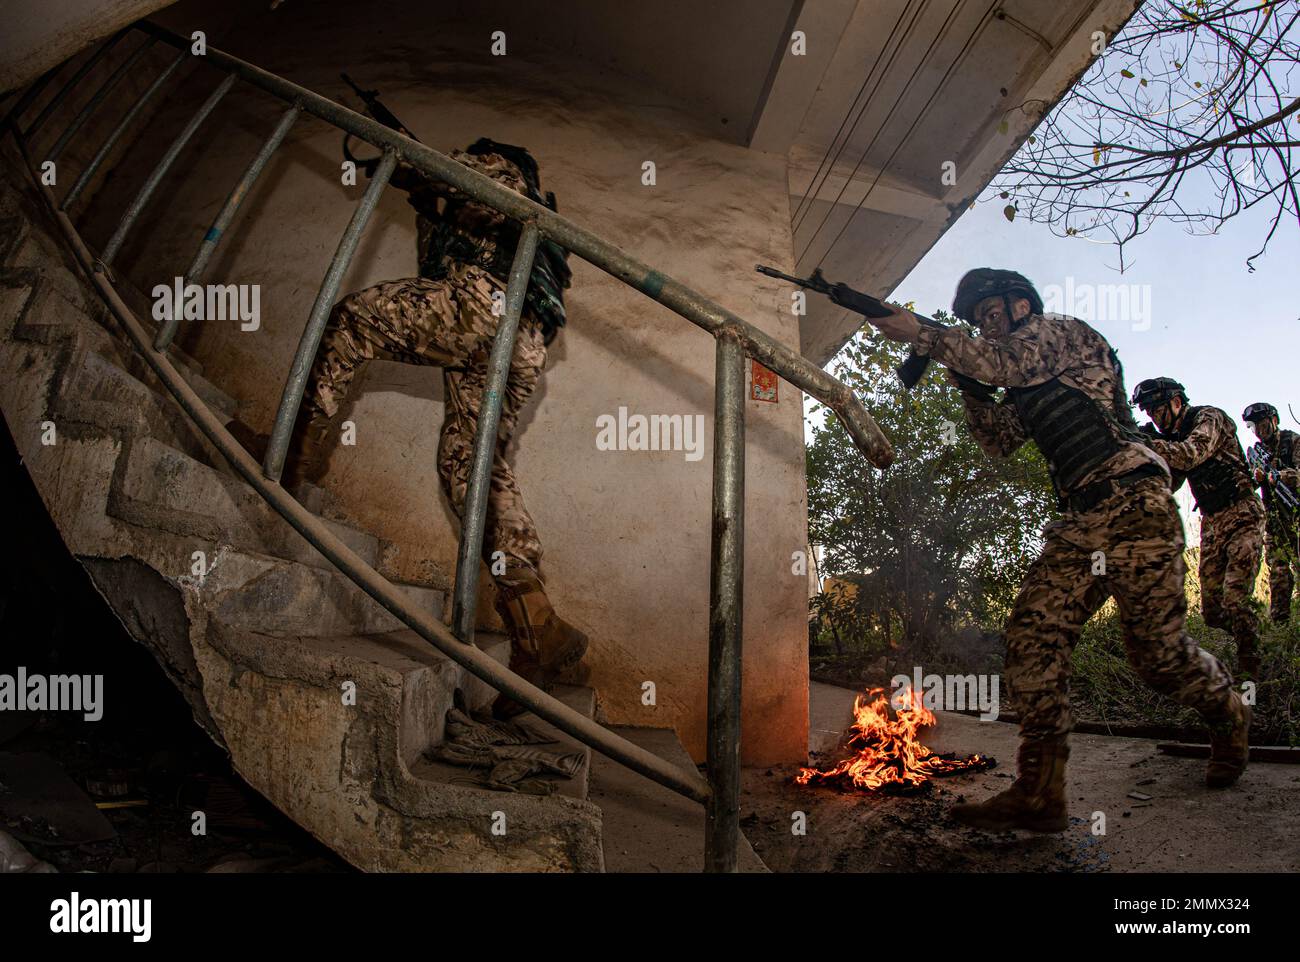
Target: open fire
column 887, row 752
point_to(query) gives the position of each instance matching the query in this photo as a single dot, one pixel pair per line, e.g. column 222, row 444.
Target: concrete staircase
column 324, row 701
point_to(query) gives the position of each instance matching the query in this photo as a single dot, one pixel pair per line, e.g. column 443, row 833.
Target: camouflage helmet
column 519, row 156
column 1153, row 392
column 1259, row 411
column 984, row 282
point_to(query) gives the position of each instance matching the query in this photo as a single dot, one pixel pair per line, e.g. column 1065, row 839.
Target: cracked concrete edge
column 274, row 704
column 367, row 805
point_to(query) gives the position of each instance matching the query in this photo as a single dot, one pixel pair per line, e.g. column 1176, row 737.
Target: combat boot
column 307, row 454
column 1036, row 799
column 523, row 665
column 542, row 644
column 1248, row 657
column 1229, row 746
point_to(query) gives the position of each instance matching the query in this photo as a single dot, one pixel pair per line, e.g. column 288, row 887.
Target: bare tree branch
column 1156, row 129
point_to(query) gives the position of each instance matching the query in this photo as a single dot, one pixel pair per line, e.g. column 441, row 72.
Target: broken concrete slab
column 16, row 860
column 38, row 794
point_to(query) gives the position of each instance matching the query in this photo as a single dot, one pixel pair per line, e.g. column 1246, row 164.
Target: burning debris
column 888, row 754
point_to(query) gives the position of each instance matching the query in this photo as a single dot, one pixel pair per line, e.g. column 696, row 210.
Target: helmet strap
column 1013, row 323
column 1182, row 413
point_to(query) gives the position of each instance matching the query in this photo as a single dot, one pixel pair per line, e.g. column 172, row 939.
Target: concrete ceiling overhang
column 716, row 59
column 885, row 93
column 888, row 93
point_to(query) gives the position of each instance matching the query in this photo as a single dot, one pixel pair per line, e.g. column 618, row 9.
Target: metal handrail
column 735, row 338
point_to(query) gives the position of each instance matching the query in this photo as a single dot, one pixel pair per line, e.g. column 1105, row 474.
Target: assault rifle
column 1260, row 459
column 914, row 367
column 376, row 109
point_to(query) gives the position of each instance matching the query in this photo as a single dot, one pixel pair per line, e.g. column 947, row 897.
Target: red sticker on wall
column 762, row 384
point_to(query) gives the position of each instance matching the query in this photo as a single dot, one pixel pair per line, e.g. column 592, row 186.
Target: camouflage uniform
column 1232, row 537
column 444, row 318
column 1120, row 534
column 1282, row 536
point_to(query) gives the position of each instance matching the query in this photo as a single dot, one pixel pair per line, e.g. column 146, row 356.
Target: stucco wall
column 626, row 534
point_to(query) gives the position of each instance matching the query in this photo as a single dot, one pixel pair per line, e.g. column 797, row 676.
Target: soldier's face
column 1264, row 428
column 1166, row 416
column 991, row 315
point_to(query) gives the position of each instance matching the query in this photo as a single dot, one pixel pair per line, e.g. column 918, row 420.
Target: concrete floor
column 1183, row 827
column 649, row 828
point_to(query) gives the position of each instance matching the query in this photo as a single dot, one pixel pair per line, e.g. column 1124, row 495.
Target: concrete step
column 27, row 251
column 64, row 307
column 580, row 699
column 99, row 391
column 190, row 368
column 170, row 480
column 647, row 827
column 142, row 306
column 22, row 249
column 262, row 646
column 218, row 400
column 181, row 484
column 94, row 386
column 160, row 487
column 278, row 597
column 324, row 728
column 400, row 660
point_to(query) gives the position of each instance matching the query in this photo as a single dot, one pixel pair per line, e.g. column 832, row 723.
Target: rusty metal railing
column 735, row 339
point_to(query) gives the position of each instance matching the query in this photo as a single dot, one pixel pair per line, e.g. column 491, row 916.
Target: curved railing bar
column 367, row 578
column 735, row 339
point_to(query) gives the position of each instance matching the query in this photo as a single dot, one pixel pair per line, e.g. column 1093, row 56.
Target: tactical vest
column 444, row 241
column 1216, row 482
column 1287, row 450
column 1075, row 434
column 1284, row 458
column 1072, row 431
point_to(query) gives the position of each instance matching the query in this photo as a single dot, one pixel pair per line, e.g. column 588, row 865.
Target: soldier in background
column 1120, row 533
column 1282, row 534
column 444, row 317
column 1200, row 444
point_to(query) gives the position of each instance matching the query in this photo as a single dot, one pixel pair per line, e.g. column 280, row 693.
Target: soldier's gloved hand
column 976, row 390
column 864, row 304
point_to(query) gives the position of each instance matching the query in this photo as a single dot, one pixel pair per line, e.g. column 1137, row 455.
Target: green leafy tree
column 943, row 537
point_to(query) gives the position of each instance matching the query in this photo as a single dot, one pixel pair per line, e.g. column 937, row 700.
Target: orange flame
column 888, row 752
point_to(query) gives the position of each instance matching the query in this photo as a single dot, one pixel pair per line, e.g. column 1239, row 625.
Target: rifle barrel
column 781, row 275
